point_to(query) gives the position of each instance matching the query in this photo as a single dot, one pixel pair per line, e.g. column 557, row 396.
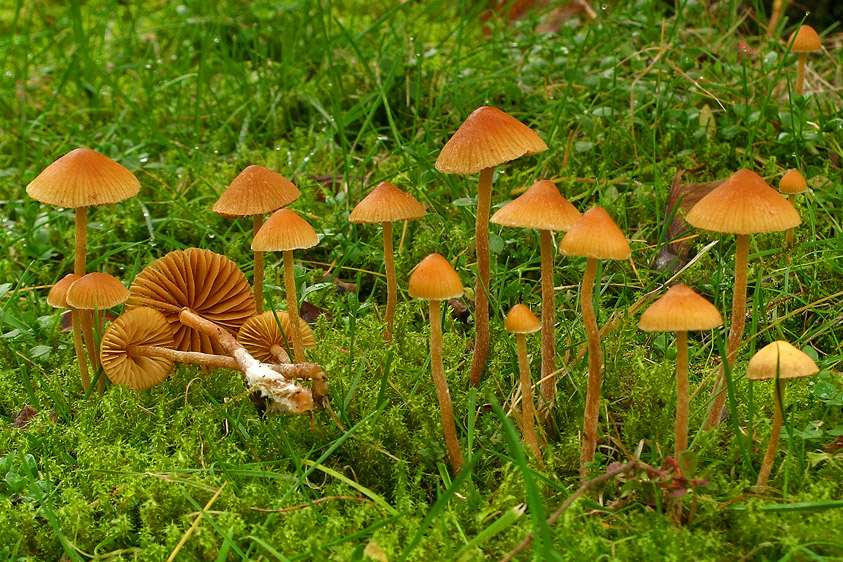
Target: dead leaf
column 310, row 312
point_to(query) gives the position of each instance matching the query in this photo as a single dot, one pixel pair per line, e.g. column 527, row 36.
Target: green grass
column 338, row 97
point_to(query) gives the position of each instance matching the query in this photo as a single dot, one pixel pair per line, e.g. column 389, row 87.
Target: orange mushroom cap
column 259, row 333
column 793, row 182
column 255, row 191
column 140, row 326
column 96, row 290
column 680, row 309
column 541, row 207
column 780, row 358
column 434, row 279
column 805, row 40
column 57, row 297
column 284, row 230
column 521, row 320
column 597, row 236
column 387, row 203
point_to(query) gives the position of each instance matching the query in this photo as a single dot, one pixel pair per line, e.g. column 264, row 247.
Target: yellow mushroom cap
column 782, row 358
column 83, row 178
column 805, row 40
column 434, row 279
column 260, row 333
column 597, row 236
column 792, row 182
column 387, row 203
column 744, row 204
column 488, row 137
column 255, row 191
column 96, row 290
column 284, row 230
column 541, row 207
column 139, row 326
column 521, row 320
column 57, row 297
column 680, row 309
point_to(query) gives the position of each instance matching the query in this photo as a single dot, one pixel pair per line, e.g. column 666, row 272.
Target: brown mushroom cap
column 57, row 297
column 434, row 279
column 521, row 320
column 782, row 358
column 541, row 207
column 139, row 326
column 387, row 203
column 260, row 333
column 255, row 191
column 209, row 284
column 680, row 309
column 284, row 230
column 488, row 137
column 83, row 178
column 805, row 40
column 96, row 291
column 597, row 236
column 744, row 204
column 792, row 182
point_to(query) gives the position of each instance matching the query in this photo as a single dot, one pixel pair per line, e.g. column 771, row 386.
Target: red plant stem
column 682, row 393
column 735, row 330
column 595, row 374
column 775, row 433
column 391, row 283
column 257, row 222
column 79, row 269
column 800, row 72
column 292, row 306
column 528, row 408
column 481, row 287
column 449, row 427
column 548, row 384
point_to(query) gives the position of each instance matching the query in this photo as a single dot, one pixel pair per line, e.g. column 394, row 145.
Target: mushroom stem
column 449, row 427
column 80, row 349
column 292, row 305
column 595, row 375
column 81, row 239
column 279, row 353
column 481, row 299
column 87, row 317
column 159, row 305
column 79, row 269
column 391, row 284
column 548, row 384
column 527, row 406
column 682, row 393
column 775, row 433
column 257, row 222
column 98, row 323
column 735, row 330
column 789, row 231
column 800, row 72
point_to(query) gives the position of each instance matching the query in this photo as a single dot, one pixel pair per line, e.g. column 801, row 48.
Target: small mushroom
column 57, row 298
column 123, row 363
column 521, row 321
column 266, row 336
column 792, row 184
column 805, row 40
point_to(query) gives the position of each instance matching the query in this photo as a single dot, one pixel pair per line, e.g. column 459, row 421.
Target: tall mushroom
column 596, row 237
column 80, row 179
column 488, row 137
column 434, row 280
column 680, row 310
column 777, row 361
column 284, row 232
column 521, row 321
column 543, row 208
column 743, row 204
column 792, row 184
column 805, row 40
column 254, row 192
column 386, row 204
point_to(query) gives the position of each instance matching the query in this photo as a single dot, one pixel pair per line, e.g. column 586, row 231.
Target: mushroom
column 680, row 310
column 386, row 204
column 792, row 184
column 57, row 298
column 254, row 192
column 487, row 138
column 543, row 208
column 284, row 232
column 266, row 336
column 521, row 321
column 434, row 280
column 596, row 237
column 123, row 363
column 805, row 40
column 80, row 179
column 778, row 361
column 743, row 204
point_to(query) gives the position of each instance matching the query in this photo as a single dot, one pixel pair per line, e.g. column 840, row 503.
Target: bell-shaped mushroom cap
column 387, row 203
column 255, row 191
column 792, row 182
column 57, row 297
column 521, row 320
column 782, row 358
column 284, row 230
column 139, row 326
column 597, row 236
column 434, row 279
column 805, row 40
column 83, row 178
column 487, row 138
column 209, row 284
column 260, row 333
column 96, row 290
column 680, row 309
column 541, row 207
column 744, row 204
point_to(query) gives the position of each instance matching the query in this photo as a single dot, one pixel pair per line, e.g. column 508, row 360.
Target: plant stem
column 391, row 284
column 548, row 384
column 292, row 306
column 595, row 375
column 449, row 427
column 527, row 406
column 257, row 222
column 775, row 433
column 682, row 393
column 481, row 287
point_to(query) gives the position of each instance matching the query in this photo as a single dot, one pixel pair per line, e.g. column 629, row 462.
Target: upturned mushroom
column 596, row 237
column 488, row 137
column 266, row 336
column 387, row 204
column 253, row 193
column 434, row 280
column 744, row 204
column 543, row 208
column 521, row 321
column 805, row 40
column 792, row 184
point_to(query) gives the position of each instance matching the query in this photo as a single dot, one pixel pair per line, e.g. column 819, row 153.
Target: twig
column 195, row 524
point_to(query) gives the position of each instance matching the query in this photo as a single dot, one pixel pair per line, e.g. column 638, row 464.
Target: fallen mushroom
column 266, row 336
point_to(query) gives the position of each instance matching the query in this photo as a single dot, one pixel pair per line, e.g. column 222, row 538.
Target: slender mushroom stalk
column 481, row 285
column 257, row 222
column 391, row 282
column 57, row 298
column 293, row 305
column 775, row 434
column 521, row 321
column 792, row 184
